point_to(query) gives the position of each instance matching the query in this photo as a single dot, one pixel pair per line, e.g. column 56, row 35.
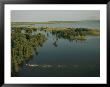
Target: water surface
column 62, row 57
column 80, row 24
column 59, row 57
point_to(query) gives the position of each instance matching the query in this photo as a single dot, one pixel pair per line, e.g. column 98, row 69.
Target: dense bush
column 23, row 46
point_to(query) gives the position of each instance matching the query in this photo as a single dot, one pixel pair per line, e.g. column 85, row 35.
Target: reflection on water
column 43, row 53
column 52, row 66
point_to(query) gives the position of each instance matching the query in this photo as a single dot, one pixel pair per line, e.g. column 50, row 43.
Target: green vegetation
column 73, row 33
column 23, row 46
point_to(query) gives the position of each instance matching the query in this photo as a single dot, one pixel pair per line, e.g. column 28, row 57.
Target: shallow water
column 81, row 24
column 64, row 58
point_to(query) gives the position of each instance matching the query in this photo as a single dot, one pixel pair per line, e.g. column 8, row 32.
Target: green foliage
column 23, row 45
column 75, row 33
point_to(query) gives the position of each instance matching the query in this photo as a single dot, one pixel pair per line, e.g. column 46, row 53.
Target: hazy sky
column 53, row 15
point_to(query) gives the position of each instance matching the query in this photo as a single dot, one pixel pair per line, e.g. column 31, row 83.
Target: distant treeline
column 49, row 22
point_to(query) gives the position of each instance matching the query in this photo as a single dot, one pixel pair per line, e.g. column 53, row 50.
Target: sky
column 53, row 15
